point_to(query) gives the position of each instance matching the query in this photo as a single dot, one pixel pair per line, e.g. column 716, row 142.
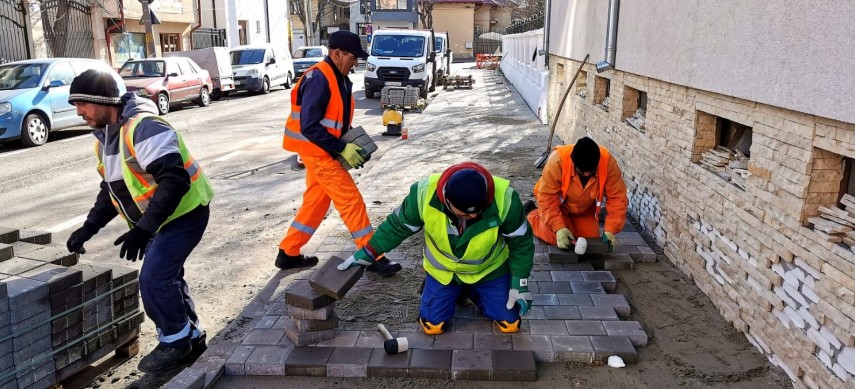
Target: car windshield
column 21, row 76
column 143, row 69
column 247, row 57
column 437, row 44
column 398, row 46
column 308, row 52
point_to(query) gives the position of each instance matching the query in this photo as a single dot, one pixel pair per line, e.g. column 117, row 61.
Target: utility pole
column 309, row 30
column 149, row 32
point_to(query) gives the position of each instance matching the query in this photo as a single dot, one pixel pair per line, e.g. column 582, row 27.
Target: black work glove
column 134, row 243
column 79, row 237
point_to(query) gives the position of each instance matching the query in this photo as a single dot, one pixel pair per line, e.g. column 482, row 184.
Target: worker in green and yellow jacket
column 477, row 241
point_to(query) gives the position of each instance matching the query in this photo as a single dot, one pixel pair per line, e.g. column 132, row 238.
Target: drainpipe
column 547, row 15
column 198, row 23
column 115, row 27
column 267, row 19
column 611, row 38
column 214, row 11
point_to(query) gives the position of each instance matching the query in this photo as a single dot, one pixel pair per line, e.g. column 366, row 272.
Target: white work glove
column 518, row 294
column 564, row 238
column 359, row 258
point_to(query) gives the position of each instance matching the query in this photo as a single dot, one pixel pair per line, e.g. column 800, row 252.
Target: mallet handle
column 384, row 331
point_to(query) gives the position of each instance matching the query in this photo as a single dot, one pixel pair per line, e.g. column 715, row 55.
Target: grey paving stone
column 539, row 344
column 268, row 360
column 305, row 338
column 34, row 236
column 281, row 323
column 493, row 342
column 598, row 313
column 540, row 276
column 633, row 242
column 467, row 312
column 54, row 255
column 585, row 266
column 6, row 251
column 431, row 364
column 585, row 327
column 587, row 288
column 471, row 326
column 258, row 337
column 308, row 361
column 547, row 327
column 573, row 349
column 266, row 322
column 628, row 235
column 606, row 278
column 616, row 301
column 370, row 339
column 30, row 310
column 617, row 261
column 342, row 339
column 606, row 346
column 471, row 365
column 629, row 329
column 566, row 275
column 631, row 250
column 562, row 312
column 647, row 254
column 235, row 364
column 514, row 365
column 384, row 365
column 597, row 246
column 348, row 362
column 187, row 379
column 532, row 287
column 453, row 341
column 322, row 313
column 9, row 235
column 302, row 295
column 535, row 313
column 579, row 300
column 417, row 339
column 308, row 325
column 557, row 255
column 541, row 299
column 554, row 287
column 333, row 282
column 15, row 266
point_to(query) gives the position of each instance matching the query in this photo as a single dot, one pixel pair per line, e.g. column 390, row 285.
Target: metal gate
column 14, row 37
column 204, row 38
column 68, row 28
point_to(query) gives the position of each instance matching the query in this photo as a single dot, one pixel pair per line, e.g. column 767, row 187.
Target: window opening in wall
column 582, row 84
column 723, row 147
column 634, row 108
column 830, row 205
column 601, row 92
column 170, row 43
column 559, row 74
column 258, row 26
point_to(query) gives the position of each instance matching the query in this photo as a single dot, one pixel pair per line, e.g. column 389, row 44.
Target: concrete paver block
column 616, row 301
column 579, row 300
column 629, row 329
column 322, row 313
column 342, row 339
column 34, row 236
column 606, row 346
column 58, row 278
column 308, row 361
column 268, row 360
column 584, row 266
column 453, row 341
column 597, row 246
column 235, row 364
column 547, row 327
column 17, row 265
column 54, row 255
column 557, row 255
column 187, row 379
column 417, row 339
column 384, row 365
column 471, row 365
column 606, row 278
column 540, row 276
column 333, row 282
column 9, row 235
column 647, row 254
column 562, row 312
column 24, row 291
column 471, row 326
column 431, row 364
column 554, row 287
column 598, row 313
column 348, row 362
column 258, row 337
column 302, row 295
column 370, row 339
column 308, row 325
column 541, row 299
column 266, row 322
column 514, row 365
column 305, row 338
column 573, row 349
column 535, row 313
column 566, row 275
column 617, row 261
column 585, row 327
column 493, row 342
column 6, row 251
column 587, row 287
column 539, row 344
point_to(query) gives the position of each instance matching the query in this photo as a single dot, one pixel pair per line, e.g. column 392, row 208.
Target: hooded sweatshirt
column 156, row 146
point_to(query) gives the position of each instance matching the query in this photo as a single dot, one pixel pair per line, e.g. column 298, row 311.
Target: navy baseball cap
column 349, row 42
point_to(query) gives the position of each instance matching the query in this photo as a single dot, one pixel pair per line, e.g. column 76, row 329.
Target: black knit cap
column 95, row 86
column 585, row 155
column 466, row 190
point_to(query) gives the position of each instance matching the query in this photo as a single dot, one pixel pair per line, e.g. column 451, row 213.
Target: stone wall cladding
column 778, row 281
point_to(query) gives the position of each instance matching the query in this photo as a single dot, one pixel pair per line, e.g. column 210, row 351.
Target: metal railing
column 204, row 38
column 519, row 26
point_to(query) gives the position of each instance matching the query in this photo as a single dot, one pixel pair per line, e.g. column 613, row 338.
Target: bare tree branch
column 425, row 10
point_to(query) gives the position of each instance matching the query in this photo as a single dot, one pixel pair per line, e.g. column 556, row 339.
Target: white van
column 260, row 67
column 401, row 57
column 444, row 56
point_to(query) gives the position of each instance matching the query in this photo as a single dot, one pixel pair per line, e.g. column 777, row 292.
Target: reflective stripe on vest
column 485, row 252
column 333, row 120
column 141, row 185
column 567, row 166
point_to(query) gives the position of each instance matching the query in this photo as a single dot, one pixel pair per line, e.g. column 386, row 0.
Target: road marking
column 14, row 152
column 68, row 224
column 267, row 139
column 228, row 156
column 361, row 98
column 74, row 138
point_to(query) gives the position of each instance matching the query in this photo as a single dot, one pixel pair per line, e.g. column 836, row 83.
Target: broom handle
column 564, row 98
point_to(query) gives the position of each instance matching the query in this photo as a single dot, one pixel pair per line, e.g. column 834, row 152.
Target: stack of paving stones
column 58, row 314
column 631, row 249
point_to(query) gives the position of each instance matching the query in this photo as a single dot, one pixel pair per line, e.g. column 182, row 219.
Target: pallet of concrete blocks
column 310, row 303
column 357, row 135
column 56, row 313
column 458, row 81
column 406, row 97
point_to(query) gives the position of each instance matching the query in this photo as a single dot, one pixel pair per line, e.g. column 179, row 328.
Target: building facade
column 245, row 22
column 734, row 128
column 470, row 23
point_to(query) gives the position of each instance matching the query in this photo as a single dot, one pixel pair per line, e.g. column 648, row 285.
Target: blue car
column 34, row 97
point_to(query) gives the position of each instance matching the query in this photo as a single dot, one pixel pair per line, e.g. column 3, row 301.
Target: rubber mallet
column 392, row 345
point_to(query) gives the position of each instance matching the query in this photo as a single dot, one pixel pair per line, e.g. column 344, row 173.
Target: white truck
column 444, row 56
column 401, row 57
column 217, row 62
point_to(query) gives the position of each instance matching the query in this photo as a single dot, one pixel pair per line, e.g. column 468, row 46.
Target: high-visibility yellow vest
column 141, row 184
column 484, row 253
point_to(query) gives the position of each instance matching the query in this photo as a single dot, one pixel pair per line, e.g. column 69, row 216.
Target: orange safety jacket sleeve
column 548, row 199
column 616, row 198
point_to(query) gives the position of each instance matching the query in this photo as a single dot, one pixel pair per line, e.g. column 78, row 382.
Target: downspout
column 214, row 11
column 611, row 38
column 267, row 19
column 116, row 26
column 546, row 21
column 198, row 24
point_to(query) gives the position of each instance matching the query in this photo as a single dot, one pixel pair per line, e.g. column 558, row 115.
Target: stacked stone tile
column 56, row 312
column 631, row 249
column 836, row 224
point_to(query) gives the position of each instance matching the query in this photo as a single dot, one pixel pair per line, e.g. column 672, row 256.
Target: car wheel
column 265, row 86
column 204, row 98
column 34, row 131
column 369, row 93
column 217, row 94
column 288, row 81
column 162, row 103
column 423, row 92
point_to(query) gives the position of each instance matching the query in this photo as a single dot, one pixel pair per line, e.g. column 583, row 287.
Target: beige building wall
column 753, row 251
column 458, row 21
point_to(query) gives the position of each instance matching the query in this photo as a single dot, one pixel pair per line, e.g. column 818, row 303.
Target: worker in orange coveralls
column 575, row 182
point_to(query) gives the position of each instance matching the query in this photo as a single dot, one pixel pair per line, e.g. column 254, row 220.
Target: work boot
column 529, row 206
column 384, row 267
column 165, row 357
column 199, row 345
column 285, row 261
column 507, row 327
column 430, row 328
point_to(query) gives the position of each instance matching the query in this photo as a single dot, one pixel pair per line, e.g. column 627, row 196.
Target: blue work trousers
column 489, row 296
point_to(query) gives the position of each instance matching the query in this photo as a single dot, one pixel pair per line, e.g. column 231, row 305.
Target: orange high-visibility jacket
column 559, row 191
column 333, row 119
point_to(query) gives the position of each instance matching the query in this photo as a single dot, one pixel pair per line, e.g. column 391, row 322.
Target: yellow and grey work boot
column 430, row 328
column 508, row 327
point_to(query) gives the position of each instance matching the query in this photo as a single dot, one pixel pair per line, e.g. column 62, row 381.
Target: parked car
column 306, row 57
column 259, row 67
column 444, row 57
column 168, row 81
column 217, row 62
column 34, row 97
column 401, row 58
